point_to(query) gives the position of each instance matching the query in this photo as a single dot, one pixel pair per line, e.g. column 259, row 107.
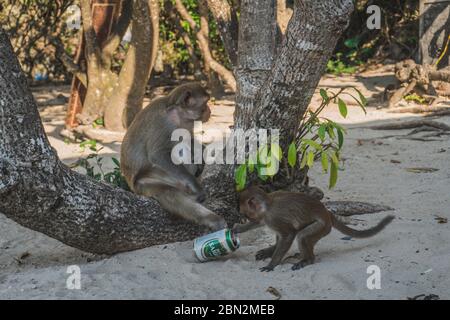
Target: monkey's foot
column 264, row 254
column 267, row 268
column 302, row 264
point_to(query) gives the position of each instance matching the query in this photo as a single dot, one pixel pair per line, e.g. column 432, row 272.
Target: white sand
column 413, row 253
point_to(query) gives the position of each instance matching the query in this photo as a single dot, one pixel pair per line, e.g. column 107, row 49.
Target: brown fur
column 293, row 215
column 146, row 154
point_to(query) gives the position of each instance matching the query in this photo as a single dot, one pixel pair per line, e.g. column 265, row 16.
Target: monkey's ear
column 185, row 98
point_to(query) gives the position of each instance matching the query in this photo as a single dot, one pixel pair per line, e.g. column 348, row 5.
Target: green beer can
column 216, row 244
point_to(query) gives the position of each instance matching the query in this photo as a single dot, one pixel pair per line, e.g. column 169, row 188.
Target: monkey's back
column 298, row 207
column 146, row 129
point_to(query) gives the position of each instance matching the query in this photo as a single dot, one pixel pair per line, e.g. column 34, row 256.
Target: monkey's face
column 251, row 207
column 195, row 104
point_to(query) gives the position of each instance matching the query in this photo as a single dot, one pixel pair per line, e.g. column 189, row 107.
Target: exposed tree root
column 100, row 134
column 421, row 109
column 440, row 113
column 412, row 124
column 83, row 132
column 413, row 76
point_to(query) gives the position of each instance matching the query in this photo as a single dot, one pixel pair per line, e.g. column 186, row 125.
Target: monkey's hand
column 215, row 222
column 267, row 268
column 237, row 227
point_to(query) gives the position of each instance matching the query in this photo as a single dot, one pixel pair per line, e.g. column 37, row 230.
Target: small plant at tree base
column 416, row 98
column 317, row 139
column 95, row 170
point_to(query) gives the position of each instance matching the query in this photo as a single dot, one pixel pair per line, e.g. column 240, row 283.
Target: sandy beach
column 413, row 253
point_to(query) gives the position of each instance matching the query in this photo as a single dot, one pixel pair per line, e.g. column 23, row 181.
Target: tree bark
column 227, row 23
column 310, row 39
column 127, row 98
column 256, row 54
column 118, row 98
column 40, row 193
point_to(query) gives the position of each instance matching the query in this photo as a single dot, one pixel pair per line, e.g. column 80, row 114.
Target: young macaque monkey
column 146, row 161
column 293, row 215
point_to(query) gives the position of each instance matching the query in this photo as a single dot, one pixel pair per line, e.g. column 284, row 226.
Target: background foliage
column 31, row 24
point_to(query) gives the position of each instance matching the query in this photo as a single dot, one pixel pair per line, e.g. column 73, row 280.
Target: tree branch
column 175, row 20
column 67, row 61
column 223, row 72
column 40, row 193
column 119, row 31
column 310, row 39
column 126, row 100
column 227, row 23
column 92, row 46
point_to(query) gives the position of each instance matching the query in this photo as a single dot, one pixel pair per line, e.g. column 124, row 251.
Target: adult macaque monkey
column 146, row 161
column 291, row 215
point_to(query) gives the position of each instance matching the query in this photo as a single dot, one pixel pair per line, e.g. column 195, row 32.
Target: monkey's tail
column 361, row 233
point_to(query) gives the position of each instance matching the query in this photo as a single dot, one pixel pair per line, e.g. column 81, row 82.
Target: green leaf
column 312, row 143
column 352, row 43
column 340, row 138
column 324, row 159
column 276, row 151
column 333, row 175
column 303, row 163
column 310, row 160
column 90, row 143
column 270, row 170
column 337, row 126
column 251, row 167
column 241, row 177
column 260, row 175
column 342, row 107
column 331, row 131
column 321, row 132
column 292, row 154
column 362, row 101
column 334, row 158
column 324, row 95
column 263, row 157
column 116, row 162
column 99, row 121
column 362, row 98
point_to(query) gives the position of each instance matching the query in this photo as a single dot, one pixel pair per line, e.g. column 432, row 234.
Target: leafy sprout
column 318, row 139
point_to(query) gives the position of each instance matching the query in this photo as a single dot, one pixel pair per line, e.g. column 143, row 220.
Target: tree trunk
column 40, row 193
column 227, row 23
column 119, row 97
column 127, row 98
column 213, row 81
column 283, row 98
column 256, row 54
